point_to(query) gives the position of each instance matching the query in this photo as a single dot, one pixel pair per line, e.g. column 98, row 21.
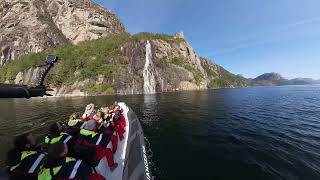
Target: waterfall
column 149, row 85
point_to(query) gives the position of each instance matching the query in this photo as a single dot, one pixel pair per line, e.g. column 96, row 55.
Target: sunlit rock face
column 36, row 25
column 81, row 20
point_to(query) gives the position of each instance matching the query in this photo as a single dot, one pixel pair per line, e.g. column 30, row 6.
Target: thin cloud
column 302, row 22
column 247, row 43
column 241, row 46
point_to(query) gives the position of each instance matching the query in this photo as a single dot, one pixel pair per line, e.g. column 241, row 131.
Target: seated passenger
column 119, row 121
column 88, row 113
column 105, row 109
column 101, row 122
column 74, row 125
column 100, row 142
column 99, row 117
column 108, row 124
column 23, row 161
column 56, row 134
column 105, row 127
column 74, row 119
column 59, row 166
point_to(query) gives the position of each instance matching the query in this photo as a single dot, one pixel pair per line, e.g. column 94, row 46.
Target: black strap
column 51, row 172
column 94, row 170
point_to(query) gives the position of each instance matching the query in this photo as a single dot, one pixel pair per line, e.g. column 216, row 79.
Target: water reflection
column 150, row 104
column 150, row 111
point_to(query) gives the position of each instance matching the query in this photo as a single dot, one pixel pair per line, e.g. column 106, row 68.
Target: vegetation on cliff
column 221, row 78
column 104, row 56
column 85, row 60
column 228, row 80
column 99, row 89
column 198, row 77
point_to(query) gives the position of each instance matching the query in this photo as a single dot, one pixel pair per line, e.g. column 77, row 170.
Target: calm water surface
column 250, row 133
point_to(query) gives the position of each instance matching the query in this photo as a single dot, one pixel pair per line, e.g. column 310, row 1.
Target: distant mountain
column 302, row 81
column 275, row 79
column 268, row 79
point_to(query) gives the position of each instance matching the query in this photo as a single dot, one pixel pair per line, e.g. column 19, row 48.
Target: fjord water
column 248, row 133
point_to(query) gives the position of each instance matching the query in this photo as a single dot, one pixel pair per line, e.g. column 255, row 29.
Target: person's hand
column 100, row 120
column 31, row 139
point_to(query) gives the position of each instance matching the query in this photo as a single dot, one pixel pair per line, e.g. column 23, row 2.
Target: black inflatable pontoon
column 136, row 161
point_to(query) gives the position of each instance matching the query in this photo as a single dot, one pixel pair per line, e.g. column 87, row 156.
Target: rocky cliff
column 113, row 61
column 37, row 25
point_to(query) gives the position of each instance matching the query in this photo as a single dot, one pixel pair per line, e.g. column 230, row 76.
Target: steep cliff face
column 82, row 20
column 37, row 25
column 24, row 29
column 175, row 66
column 117, row 65
column 110, row 61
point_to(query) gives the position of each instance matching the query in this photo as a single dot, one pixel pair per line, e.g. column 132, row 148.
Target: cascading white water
column 149, row 85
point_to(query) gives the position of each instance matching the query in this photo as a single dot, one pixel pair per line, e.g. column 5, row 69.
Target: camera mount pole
column 23, row 91
column 49, row 65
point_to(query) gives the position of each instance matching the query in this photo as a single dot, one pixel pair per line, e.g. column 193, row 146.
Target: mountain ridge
column 276, row 79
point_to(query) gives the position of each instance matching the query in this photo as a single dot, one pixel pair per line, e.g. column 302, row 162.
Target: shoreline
column 177, row 91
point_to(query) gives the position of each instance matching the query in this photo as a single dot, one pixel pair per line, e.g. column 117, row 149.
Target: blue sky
column 247, row 37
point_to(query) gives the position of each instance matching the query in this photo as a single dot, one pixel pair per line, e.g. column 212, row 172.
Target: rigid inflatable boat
column 131, row 153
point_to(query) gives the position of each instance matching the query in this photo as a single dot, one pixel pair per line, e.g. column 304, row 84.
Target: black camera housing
column 52, row 59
